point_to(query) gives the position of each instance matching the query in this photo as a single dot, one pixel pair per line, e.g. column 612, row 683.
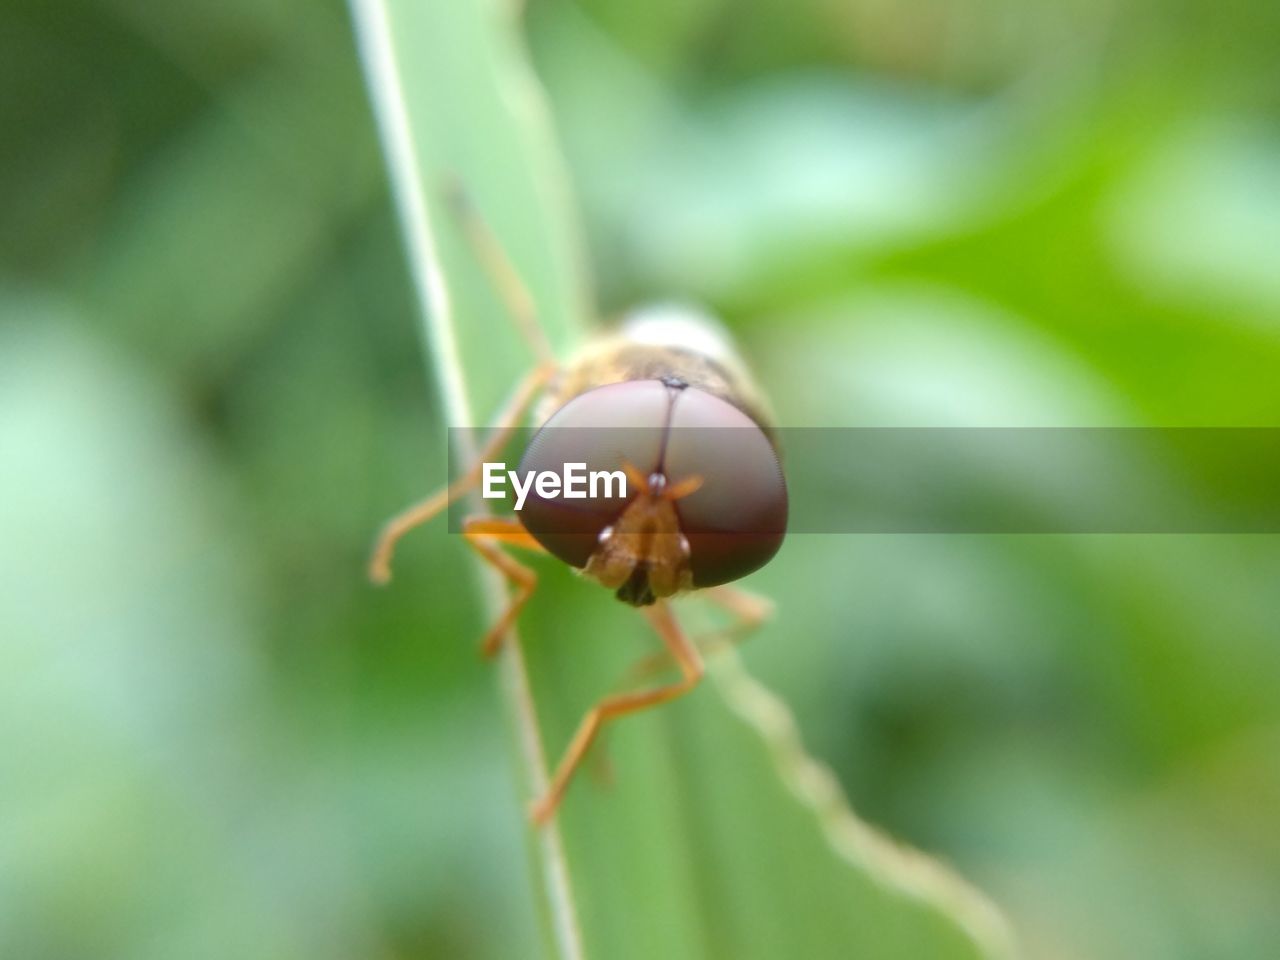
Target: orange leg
column 610, row 708
column 494, row 260
column 505, row 425
column 749, row 612
column 519, row 303
column 484, row 534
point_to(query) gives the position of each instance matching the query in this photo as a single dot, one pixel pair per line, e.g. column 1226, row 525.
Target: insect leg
column 610, row 708
column 419, row 513
column 749, row 611
column 495, row 261
column 484, row 534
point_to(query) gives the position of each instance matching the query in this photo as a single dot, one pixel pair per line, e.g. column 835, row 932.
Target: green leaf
column 710, row 832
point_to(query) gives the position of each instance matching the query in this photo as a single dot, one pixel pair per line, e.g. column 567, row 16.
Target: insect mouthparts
column 636, row 590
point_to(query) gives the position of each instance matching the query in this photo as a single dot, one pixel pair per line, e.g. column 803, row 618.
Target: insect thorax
column 661, row 343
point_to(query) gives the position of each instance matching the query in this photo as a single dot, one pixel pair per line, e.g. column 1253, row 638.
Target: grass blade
column 718, row 837
column 413, row 183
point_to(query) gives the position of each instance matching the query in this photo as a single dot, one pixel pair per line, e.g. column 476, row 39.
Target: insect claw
column 379, row 569
column 541, row 810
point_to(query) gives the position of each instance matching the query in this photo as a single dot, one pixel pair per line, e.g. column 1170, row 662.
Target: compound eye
column 736, row 520
column 602, row 429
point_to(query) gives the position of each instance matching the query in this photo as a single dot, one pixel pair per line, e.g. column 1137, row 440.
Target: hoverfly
column 706, row 503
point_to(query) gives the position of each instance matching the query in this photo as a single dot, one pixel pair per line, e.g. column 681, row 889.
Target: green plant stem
column 438, row 318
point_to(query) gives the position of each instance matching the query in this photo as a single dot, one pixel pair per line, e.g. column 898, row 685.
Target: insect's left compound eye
column 735, row 521
column 602, row 429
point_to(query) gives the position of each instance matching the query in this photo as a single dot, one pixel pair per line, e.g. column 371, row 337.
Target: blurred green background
column 216, row 740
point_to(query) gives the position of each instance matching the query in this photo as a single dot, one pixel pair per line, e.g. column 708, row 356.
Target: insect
column 666, row 400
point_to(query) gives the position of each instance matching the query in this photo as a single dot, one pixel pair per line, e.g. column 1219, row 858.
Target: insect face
column 706, row 501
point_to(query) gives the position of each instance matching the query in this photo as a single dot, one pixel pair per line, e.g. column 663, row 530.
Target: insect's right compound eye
column 602, row 429
column 736, row 520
